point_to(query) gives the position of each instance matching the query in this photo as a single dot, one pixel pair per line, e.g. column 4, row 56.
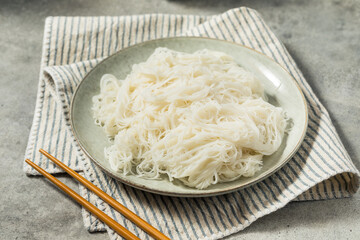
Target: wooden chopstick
column 115, row 204
column 102, row 216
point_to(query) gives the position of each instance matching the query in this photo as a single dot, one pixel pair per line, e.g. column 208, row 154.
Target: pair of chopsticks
column 156, row 234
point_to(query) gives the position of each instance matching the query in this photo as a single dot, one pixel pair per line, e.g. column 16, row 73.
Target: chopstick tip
column 28, row 161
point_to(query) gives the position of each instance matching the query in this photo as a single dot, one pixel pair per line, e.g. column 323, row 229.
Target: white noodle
column 199, row 118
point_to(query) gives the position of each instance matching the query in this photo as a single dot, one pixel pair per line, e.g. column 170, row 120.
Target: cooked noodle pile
column 199, row 118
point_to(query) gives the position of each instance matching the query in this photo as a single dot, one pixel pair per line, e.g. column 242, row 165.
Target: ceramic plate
column 280, row 87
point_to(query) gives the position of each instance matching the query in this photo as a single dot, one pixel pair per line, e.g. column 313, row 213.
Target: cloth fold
column 72, row 46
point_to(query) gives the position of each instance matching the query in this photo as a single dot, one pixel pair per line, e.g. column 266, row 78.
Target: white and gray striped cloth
column 72, row 46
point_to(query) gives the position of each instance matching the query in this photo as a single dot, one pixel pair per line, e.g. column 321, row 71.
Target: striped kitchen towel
column 72, row 46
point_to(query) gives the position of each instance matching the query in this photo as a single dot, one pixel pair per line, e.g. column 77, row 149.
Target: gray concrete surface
column 323, row 36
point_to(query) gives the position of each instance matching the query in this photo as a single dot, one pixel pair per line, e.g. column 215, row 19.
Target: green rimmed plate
column 280, row 87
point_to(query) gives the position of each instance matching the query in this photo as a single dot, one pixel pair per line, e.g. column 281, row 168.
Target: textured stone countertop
column 323, row 37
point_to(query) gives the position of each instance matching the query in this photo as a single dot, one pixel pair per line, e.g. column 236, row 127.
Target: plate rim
column 205, row 194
